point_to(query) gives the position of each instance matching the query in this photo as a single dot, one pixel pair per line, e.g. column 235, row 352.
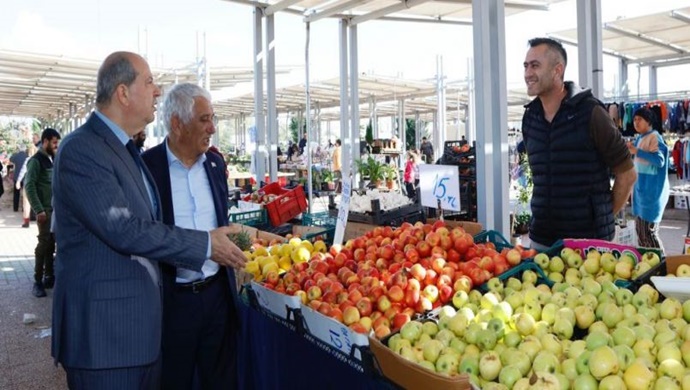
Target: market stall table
column 273, row 356
column 683, row 191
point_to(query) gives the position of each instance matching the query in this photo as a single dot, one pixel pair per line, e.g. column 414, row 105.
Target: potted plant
column 327, row 180
column 371, row 169
column 390, row 172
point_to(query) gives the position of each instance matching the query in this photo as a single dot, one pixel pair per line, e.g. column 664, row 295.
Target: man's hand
column 224, row 251
column 41, row 217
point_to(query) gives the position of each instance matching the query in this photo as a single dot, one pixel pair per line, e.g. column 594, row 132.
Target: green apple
column 566, row 252
column 530, row 346
column 514, row 284
column 447, row 364
column 542, row 259
column 432, row 350
column 685, row 352
column 584, row 316
column 683, row 270
column 670, row 308
column 651, row 292
column 640, row 300
column 638, row 376
column 546, row 361
column 650, row 312
column 598, row 326
column 445, row 336
column 603, row 362
column 548, row 313
column 669, row 351
column 623, row 270
column 469, row 364
column 509, row 375
column 556, row 277
column 411, row 330
column 625, row 356
column 591, row 286
column 407, row 353
column 629, row 310
column 495, row 285
column 569, row 369
column 502, row 311
column 665, row 337
column 582, row 362
column 489, row 366
column 556, row 264
column 598, row 339
column 488, row 300
column 574, row 260
column 591, row 265
column 623, row 335
column 563, row 328
column 670, row 368
column 588, row 299
column 645, row 348
column 585, row 381
column 623, row 296
column 640, row 269
column 651, row 258
column 666, row 383
column 612, row 315
column 577, row 347
column 471, row 332
column 611, row 382
column 608, row 262
column 644, row 332
column 550, row 342
column 458, row 324
column 533, row 309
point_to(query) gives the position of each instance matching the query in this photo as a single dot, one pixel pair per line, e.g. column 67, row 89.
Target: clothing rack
column 672, row 112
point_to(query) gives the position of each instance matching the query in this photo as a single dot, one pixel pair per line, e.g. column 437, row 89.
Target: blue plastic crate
column 318, row 219
column 494, row 237
column 517, row 271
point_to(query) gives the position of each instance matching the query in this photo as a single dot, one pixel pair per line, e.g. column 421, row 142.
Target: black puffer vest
column 572, row 195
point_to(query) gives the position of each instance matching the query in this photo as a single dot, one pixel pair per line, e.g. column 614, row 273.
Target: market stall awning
column 359, row 11
column 44, row 86
column 660, row 39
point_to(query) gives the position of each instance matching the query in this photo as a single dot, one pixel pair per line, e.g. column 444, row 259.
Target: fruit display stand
column 677, row 287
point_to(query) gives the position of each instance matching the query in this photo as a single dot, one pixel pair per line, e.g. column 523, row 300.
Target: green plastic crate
column 249, row 218
column 326, row 235
column 494, row 237
column 517, row 273
column 318, row 219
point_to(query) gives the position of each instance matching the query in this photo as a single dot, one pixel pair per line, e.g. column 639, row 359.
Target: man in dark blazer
column 107, row 313
column 200, row 325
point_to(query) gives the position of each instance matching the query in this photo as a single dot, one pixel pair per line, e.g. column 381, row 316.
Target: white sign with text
column 440, row 182
column 343, row 211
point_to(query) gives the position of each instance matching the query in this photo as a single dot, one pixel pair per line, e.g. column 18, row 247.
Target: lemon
column 275, row 250
column 285, row 250
column 294, row 242
column 252, row 267
column 268, row 268
column 320, row 246
column 300, row 255
column 308, row 245
column 263, row 260
column 285, row 263
column 249, row 255
column 260, row 251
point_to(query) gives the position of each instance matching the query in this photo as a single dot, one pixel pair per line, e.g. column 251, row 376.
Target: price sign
column 343, row 211
column 439, row 182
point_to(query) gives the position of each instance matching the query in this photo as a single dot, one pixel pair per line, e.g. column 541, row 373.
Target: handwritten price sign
column 343, row 211
column 440, row 182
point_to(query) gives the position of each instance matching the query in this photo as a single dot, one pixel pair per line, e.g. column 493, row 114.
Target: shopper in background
column 573, row 147
column 427, row 150
column 200, row 320
column 139, row 140
column 38, row 183
column 19, row 185
column 302, row 143
column 17, row 160
column 107, row 304
column 411, row 174
column 651, row 191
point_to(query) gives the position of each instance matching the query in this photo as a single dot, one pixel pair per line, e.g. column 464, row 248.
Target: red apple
column 396, row 294
column 313, row 293
column 351, row 315
column 383, row 303
column 364, row 306
column 513, row 256
column 399, row 320
column 463, row 283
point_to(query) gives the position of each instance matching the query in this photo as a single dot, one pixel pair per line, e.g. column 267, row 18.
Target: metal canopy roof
column 43, row 86
column 419, row 97
column 661, row 39
column 359, row 11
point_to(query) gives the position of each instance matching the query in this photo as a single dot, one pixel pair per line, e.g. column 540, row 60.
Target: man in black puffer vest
column 573, row 148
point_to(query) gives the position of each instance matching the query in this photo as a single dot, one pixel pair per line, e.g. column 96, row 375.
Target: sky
column 167, row 30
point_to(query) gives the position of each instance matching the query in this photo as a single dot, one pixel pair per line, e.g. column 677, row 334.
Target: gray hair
column 180, row 101
column 116, row 69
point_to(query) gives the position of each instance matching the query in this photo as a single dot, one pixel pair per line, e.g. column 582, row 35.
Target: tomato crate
column 493, row 237
column 287, row 204
column 517, row 271
column 249, row 218
column 318, row 219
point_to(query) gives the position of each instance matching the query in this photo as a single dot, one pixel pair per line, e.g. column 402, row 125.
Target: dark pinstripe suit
column 106, row 306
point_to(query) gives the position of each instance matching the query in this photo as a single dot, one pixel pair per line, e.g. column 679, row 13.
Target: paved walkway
column 25, row 361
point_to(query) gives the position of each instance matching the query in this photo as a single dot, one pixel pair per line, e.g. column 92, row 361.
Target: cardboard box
column 673, row 287
column 333, row 333
column 356, row 229
column 275, row 302
column 672, row 263
column 412, row 376
column 472, row 228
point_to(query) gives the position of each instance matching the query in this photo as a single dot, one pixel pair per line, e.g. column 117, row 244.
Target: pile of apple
column 570, row 265
column 377, row 282
column 268, row 263
column 584, row 335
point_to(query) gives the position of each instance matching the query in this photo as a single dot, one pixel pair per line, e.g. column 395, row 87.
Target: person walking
column 17, row 160
column 427, row 150
column 38, row 183
column 200, row 320
column 19, row 184
column 572, row 147
column 652, row 189
column 107, row 303
column 411, row 174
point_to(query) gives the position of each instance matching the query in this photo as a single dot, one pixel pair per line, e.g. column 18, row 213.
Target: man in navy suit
column 199, row 308
column 107, row 310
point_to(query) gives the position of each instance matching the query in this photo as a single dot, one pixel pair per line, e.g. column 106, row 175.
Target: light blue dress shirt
column 194, row 208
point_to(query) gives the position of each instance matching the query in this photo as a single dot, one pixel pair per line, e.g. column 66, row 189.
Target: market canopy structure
column 661, row 39
column 52, row 87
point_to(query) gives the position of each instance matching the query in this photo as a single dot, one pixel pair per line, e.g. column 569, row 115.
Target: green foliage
column 16, row 134
column 525, row 192
column 371, row 168
column 294, row 135
column 390, row 172
column 410, row 132
column 369, row 136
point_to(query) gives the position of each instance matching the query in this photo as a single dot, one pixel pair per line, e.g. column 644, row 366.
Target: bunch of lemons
column 280, row 258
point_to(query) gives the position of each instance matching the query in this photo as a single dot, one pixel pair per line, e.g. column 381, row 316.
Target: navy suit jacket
column 107, row 310
column 156, row 160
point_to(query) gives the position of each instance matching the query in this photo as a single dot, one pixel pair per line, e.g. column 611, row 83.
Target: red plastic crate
column 288, row 204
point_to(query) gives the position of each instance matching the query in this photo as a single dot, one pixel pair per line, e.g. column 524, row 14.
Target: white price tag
column 440, row 182
column 343, row 211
